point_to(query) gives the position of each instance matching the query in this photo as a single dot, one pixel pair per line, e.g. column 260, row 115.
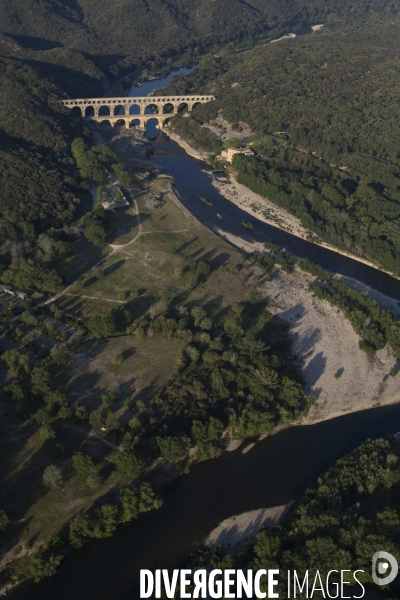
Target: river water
column 276, row 471
column 149, row 86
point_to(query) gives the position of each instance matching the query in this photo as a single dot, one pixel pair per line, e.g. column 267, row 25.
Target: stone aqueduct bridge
column 133, row 111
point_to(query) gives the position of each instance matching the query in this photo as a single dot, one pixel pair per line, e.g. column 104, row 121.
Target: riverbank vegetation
column 351, row 513
column 333, row 95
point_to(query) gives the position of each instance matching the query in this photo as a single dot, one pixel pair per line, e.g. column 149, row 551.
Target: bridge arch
column 134, row 109
column 183, row 107
column 76, row 112
column 89, row 111
column 195, row 104
column 152, row 125
column 167, row 121
column 104, row 111
column 119, row 110
column 135, row 123
column 168, row 108
column 151, row 109
column 106, row 123
column 120, row 123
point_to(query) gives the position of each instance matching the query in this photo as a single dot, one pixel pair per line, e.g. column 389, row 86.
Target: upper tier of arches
column 98, row 107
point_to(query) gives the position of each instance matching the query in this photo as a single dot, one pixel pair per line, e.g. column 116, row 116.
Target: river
column 194, row 181
column 276, row 471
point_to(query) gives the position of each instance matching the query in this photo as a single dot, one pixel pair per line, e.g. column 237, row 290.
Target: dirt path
column 92, row 436
column 97, row 298
column 115, row 250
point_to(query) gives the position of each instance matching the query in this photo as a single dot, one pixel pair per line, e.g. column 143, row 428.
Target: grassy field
column 122, row 225
column 170, row 238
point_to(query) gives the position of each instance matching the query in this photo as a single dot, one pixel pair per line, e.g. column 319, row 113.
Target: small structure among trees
column 230, row 153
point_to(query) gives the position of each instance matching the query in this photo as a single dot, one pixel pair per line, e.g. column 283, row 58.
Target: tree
column 205, row 432
column 137, row 501
column 128, row 465
column 47, row 433
column 4, row 520
column 29, row 319
column 129, row 505
column 232, row 143
column 80, row 530
column 87, row 161
column 62, row 249
column 101, row 326
column 52, row 477
column 109, row 398
column 106, row 521
column 173, row 449
column 83, row 463
column 17, row 392
column 32, row 275
column 41, row 566
column 46, row 243
column 60, row 354
column 17, row 363
column 123, row 176
column 40, row 380
column 95, row 233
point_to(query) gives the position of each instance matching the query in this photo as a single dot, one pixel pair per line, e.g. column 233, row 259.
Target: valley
column 172, row 306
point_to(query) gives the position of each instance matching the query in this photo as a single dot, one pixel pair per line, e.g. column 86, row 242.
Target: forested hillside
column 134, row 29
column 34, row 132
column 336, row 95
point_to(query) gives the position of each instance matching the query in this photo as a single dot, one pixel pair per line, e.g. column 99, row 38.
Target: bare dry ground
column 245, row 527
column 326, row 344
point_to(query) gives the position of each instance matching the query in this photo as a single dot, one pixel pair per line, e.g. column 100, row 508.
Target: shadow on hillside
column 35, row 43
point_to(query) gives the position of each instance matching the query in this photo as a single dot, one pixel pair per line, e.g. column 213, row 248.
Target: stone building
column 229, row 154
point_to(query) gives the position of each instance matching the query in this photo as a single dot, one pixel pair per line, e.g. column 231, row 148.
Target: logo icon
column 384, row 563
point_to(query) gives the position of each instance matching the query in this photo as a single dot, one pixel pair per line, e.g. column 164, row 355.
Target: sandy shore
column 268, row 212
column 245, row 527
column 255, row 205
